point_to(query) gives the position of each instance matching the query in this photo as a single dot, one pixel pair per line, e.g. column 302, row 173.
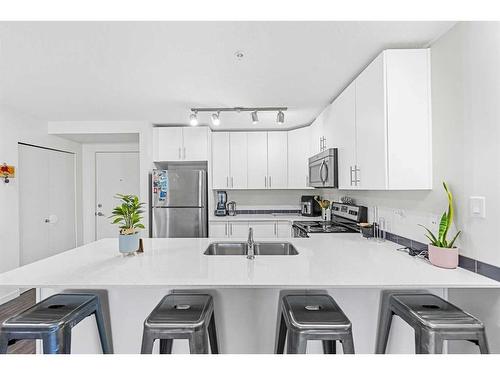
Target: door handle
column 184, row 152
column 351, row 175
column 265, row 181
column 270, row 182
column 232, row 181
column 225, row 228
column 99, row 214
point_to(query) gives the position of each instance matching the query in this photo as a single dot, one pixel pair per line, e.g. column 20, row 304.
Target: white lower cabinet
column 217, row 229
column 284, row 229
column 261, row 229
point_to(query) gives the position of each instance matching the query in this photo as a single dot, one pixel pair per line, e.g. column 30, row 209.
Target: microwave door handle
column 326, row 174
column 321, row 171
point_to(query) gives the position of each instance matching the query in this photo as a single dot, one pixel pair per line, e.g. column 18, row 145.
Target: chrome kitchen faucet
column 251, row 245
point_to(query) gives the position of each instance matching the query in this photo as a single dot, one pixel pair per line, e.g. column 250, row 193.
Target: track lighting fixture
column 216, row 119
column 255, row 117
column 280, row 118
column 193, row 119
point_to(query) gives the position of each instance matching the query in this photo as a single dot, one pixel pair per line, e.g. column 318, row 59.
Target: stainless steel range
column 345, row 219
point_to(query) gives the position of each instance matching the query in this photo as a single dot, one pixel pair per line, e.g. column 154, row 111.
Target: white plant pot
column 128, row 243
column 443, row 257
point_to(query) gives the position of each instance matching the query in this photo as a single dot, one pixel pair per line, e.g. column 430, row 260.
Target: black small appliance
column 309, row 206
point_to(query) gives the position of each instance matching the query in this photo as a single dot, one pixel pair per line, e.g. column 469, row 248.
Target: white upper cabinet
column 371, row 127
column 316, row 137
column 195, row 143
column 343, row 123
column 180, row 143
column 220, row 160
column 167, row 143
column 238, row 160
column 409, row 119
column 298, row 154
column 277, row 155
column 229, row 160
column 257, row 160
column 384, row 134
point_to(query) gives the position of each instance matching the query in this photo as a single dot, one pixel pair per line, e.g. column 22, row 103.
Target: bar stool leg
column 280, row 335
column 4, row 343
column 348, row 344
column 101, row 328
column 329, row 347
column 296, row 343
column 198, row 342
column 384, row 327
column 57, row 342
column 212, row 335
column 482, row 342
column 147, row 342
column 166, row 346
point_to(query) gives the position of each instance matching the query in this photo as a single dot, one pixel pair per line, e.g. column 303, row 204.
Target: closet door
column 33, row 203
column 61, row 194
column 46, row 202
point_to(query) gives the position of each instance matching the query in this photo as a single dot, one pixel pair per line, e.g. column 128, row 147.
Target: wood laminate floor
column 13, row 307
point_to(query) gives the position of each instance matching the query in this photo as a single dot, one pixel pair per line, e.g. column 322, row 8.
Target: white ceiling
column 156, row 71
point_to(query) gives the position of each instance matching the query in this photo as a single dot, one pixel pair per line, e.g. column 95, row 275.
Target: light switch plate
column 477, row 207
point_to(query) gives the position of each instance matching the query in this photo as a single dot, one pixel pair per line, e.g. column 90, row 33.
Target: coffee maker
column 309, row 206
column 220, row 209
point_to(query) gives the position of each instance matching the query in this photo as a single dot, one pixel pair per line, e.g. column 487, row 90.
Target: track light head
column 193, row 118
column 216, row 119
column 255, row 117
column 280, row 118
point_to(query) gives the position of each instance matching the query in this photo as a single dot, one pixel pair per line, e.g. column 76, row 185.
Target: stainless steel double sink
column 260, row 248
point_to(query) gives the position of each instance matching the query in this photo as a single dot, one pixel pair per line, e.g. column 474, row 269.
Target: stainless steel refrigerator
column 179, row 203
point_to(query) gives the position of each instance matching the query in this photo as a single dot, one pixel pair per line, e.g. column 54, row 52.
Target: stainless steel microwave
column 323, row 169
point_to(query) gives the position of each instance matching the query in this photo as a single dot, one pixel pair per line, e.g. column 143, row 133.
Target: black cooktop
column 325, row 227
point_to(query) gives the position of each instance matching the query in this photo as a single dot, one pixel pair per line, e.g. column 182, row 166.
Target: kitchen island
column 352, row 269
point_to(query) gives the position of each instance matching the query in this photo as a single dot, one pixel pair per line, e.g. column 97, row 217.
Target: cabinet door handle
column 232, row 181
column 179, row 152
column 265, row 181
column 356, row 170
column 231, row 228
column 351, row 175
column 225, row 229
column 270, row 182
column 184, row 152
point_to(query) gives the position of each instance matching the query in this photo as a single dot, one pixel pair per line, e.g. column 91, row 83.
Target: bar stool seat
column 434, row 320
column 303, row 317
column 181, row 316
column 51, row 320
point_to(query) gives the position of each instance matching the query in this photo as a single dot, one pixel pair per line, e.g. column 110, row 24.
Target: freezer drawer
column 180, row 222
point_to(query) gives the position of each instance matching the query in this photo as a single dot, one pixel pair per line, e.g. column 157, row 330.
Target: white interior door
column 116, row 173
column 46, row 202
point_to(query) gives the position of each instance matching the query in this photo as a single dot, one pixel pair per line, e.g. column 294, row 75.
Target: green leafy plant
column 128, row 214
column 444, row 225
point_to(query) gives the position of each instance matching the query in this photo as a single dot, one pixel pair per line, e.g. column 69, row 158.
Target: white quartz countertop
column 265, row 217
column 329, row 260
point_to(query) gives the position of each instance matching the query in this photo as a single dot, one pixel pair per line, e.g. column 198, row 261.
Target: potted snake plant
column 443, row 253
column 128, row 216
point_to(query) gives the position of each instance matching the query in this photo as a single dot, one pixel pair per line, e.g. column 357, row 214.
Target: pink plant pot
column 443, row 257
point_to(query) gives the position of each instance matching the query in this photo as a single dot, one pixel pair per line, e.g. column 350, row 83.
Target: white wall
column 16, row 127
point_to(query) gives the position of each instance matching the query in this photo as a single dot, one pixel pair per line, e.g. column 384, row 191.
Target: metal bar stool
column 433, row 319
column 304, row 317
column 51, row 321
column 181, row 316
